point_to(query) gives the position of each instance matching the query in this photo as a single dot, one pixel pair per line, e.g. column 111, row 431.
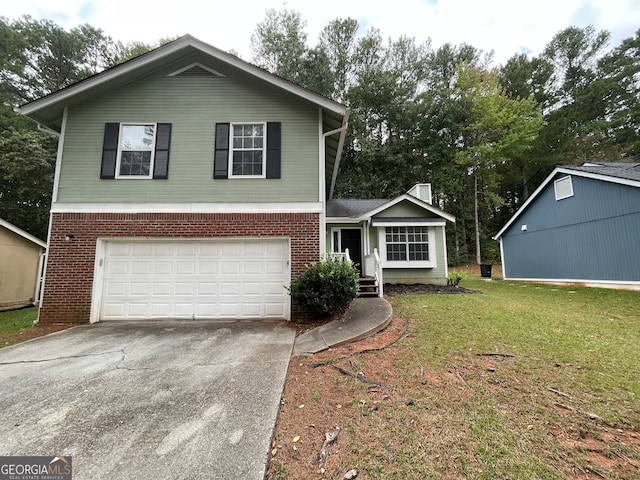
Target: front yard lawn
column 17, row 326
column 517, row 381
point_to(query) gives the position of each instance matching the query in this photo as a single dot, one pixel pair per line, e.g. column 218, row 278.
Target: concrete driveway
column 154, row 399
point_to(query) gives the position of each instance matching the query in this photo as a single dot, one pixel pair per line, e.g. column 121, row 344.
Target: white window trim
column 337, row 248
column 382, row 243
column 557, row 184
column 264, row 150
column 153, row 151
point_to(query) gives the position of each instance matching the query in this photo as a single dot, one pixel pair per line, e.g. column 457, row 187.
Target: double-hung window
column 248, row 150
column 136, row 150
column 407, row 243
column 407, row 246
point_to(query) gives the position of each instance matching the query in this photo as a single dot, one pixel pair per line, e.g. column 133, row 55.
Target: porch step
column 368, row 287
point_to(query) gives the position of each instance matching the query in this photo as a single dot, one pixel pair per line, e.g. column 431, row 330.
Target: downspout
column 504, row 267
column 54, row 197
column 323, row 187
column 336, row 167
column 48, row 130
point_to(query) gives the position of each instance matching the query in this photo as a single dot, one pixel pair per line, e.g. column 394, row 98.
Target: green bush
column 455, row 278
column 325, row 287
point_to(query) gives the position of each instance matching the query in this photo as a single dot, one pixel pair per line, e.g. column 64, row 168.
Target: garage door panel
column 116, row 267
column 274, row 288
column 140, row 268
column 229, row 288
column 252, row 268
column 115, row 310
column 161, row 289
column 252, row 288
column 206, row 310
column 230, row 268
column 119, row 249
column 142, row 249
column 275, row 268
column 162, row 268
column 186, row 289
column 205, row 279
column 252, row 310
column 207, row 267
column 206, row 288
column 116, row 289
column 138, row 288
column 185, row 268
column 164, row 249
column 274, row 310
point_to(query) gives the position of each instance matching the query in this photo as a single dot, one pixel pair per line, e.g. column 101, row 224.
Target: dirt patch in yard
column 387, row 410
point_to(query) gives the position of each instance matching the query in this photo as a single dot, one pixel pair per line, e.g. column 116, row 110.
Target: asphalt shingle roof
column 629, row 171
column 352, row 208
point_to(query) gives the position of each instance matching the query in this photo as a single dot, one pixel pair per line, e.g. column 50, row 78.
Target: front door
column 351, row 238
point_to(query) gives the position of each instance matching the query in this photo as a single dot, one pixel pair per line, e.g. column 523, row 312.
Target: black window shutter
column 221, row 155
column 161, row 155
column 273, row 149
column 109, row 150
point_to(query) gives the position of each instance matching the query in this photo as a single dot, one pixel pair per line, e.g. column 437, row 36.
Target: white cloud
column 505, row 26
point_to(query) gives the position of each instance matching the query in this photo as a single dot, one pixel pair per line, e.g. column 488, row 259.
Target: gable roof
column 614, row 172
column 48, row 110
column 22, row 233
column 625, row 171
column 352, row 208
column 364, row 209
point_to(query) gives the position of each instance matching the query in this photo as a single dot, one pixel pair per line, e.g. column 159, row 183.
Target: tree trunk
column 476, row 216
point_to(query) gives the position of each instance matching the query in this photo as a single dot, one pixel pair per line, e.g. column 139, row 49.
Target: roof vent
column 196, row 70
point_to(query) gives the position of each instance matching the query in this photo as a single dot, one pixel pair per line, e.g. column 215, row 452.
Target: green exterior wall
column 435, row 275
column 192, row 106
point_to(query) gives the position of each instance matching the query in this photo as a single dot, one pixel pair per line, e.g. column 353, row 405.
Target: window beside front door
column 407, row 243
column 408, row 246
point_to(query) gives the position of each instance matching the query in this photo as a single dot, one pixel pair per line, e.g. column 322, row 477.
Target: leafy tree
column 500, row 129
column 574, row 54
column 338, row 41
column 41, row 57
column 279, row 43
column 38, row 57
column 27, row 164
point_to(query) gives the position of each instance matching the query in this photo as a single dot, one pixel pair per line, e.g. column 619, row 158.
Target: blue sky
column 504, row 26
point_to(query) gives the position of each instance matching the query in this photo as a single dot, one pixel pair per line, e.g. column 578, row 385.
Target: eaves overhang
column 47, row 110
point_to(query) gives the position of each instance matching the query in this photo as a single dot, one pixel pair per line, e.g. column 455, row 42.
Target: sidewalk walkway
column 365, row 317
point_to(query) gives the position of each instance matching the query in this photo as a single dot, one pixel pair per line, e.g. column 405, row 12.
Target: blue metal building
column 581, row 226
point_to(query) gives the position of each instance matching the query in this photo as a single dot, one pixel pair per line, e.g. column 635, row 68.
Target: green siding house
column 192, row 184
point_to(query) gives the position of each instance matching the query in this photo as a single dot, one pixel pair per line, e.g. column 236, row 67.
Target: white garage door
column 195, row 279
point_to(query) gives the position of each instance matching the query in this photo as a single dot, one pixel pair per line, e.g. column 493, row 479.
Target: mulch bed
column 393, row 289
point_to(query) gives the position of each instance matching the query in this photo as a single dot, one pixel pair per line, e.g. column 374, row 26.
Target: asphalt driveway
column 154, row 399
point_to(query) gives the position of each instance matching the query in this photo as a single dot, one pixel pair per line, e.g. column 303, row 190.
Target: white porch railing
column 338, row 256
column 378, row 272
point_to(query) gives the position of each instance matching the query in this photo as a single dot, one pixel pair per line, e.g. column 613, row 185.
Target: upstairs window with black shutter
column 136, row 150
column 247, row 150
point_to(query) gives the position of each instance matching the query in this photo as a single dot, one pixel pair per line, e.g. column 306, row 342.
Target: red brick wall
column 69, row 277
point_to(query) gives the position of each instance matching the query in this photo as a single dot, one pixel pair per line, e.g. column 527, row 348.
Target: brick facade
column 69, row 274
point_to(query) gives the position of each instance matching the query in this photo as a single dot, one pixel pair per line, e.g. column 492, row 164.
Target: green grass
column 16, row 320
column 482, row 416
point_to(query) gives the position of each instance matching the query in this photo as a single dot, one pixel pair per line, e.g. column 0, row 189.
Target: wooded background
column 484, row 135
